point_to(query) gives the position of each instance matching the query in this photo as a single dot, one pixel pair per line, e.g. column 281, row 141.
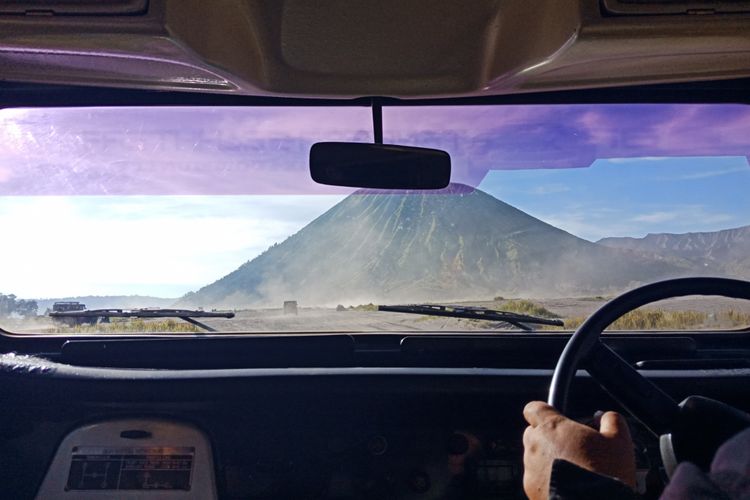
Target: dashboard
column 290, row 447
column 365, row 456
column 252, row 418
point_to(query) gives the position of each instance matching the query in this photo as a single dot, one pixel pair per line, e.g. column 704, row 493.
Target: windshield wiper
column 92, row 316
column 521, row 321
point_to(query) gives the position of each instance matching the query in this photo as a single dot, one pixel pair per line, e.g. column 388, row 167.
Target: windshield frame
column 33, row 95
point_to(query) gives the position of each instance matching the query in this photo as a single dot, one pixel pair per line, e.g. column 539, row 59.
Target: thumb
column 613, row 425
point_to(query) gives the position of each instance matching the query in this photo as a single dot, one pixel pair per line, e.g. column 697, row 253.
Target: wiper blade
column 521, row 321
column 92, row 316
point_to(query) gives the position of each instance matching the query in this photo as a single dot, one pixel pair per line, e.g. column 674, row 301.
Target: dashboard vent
column 656, row 7
column 73, row 7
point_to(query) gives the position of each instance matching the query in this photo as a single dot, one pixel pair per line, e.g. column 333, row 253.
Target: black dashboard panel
column 366, row 417
column 301, row 440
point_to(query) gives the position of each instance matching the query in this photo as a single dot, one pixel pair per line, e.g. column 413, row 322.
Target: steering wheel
column 692, row 430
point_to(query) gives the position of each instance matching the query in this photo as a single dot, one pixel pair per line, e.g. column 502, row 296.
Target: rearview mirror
column 379, row 166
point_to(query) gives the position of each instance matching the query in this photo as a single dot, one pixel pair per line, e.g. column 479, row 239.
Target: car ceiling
column 356, row 48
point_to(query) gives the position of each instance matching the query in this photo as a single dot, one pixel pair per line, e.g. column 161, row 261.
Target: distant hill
column 723, row 252
column 110, row 302
column 458, row 244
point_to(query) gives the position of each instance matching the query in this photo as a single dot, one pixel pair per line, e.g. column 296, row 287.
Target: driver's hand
column 551, row 435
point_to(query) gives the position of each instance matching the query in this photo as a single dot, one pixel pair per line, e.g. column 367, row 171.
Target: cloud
column 592, row 221
column 598, row 127
column 686, row 216
column 639, row 160
column 587, row 221
column 5, row 173
column 657, row 217
column 313, row 124
column 546, row 189
column 264, row 150
column 167, row 150
column 64, row 246
column 715, row 173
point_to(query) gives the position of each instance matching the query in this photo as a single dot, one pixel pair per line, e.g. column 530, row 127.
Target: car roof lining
column 343, row 49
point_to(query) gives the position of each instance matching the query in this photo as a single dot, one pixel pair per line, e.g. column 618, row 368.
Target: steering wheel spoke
column 644, row 400
column 676, row 424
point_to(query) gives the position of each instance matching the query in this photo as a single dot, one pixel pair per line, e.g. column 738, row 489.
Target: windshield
column 187, row 219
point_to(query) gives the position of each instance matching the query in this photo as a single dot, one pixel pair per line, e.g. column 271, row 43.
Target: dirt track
column 323, row 319
column 315, row 319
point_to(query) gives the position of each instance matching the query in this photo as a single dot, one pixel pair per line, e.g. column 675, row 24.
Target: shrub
column 366, row 307
column 528, row 307
column 134, row 326
column 650, row 319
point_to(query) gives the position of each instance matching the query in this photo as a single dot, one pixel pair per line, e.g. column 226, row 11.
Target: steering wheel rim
column 641, row 398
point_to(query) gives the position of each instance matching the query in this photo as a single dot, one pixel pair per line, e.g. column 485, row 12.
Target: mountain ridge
column 726, row 251
column 425, row 246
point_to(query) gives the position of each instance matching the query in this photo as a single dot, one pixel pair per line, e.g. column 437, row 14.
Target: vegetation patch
column 364, row 307
column 522, row 306
column 660, row 319
column 11, row 305
column 596, row 298
column 132, row 326
column 736, row 319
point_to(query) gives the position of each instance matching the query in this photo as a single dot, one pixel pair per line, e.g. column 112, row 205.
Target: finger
column 614, row 425
column 538, row 412
column 597, row 419
column 532, row 486
column 528, row 438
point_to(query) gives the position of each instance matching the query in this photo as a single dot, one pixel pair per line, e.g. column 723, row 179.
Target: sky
column 162, row 201
column 632, row 197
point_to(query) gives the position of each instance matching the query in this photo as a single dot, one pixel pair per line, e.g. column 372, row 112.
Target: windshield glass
column 122, row 220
